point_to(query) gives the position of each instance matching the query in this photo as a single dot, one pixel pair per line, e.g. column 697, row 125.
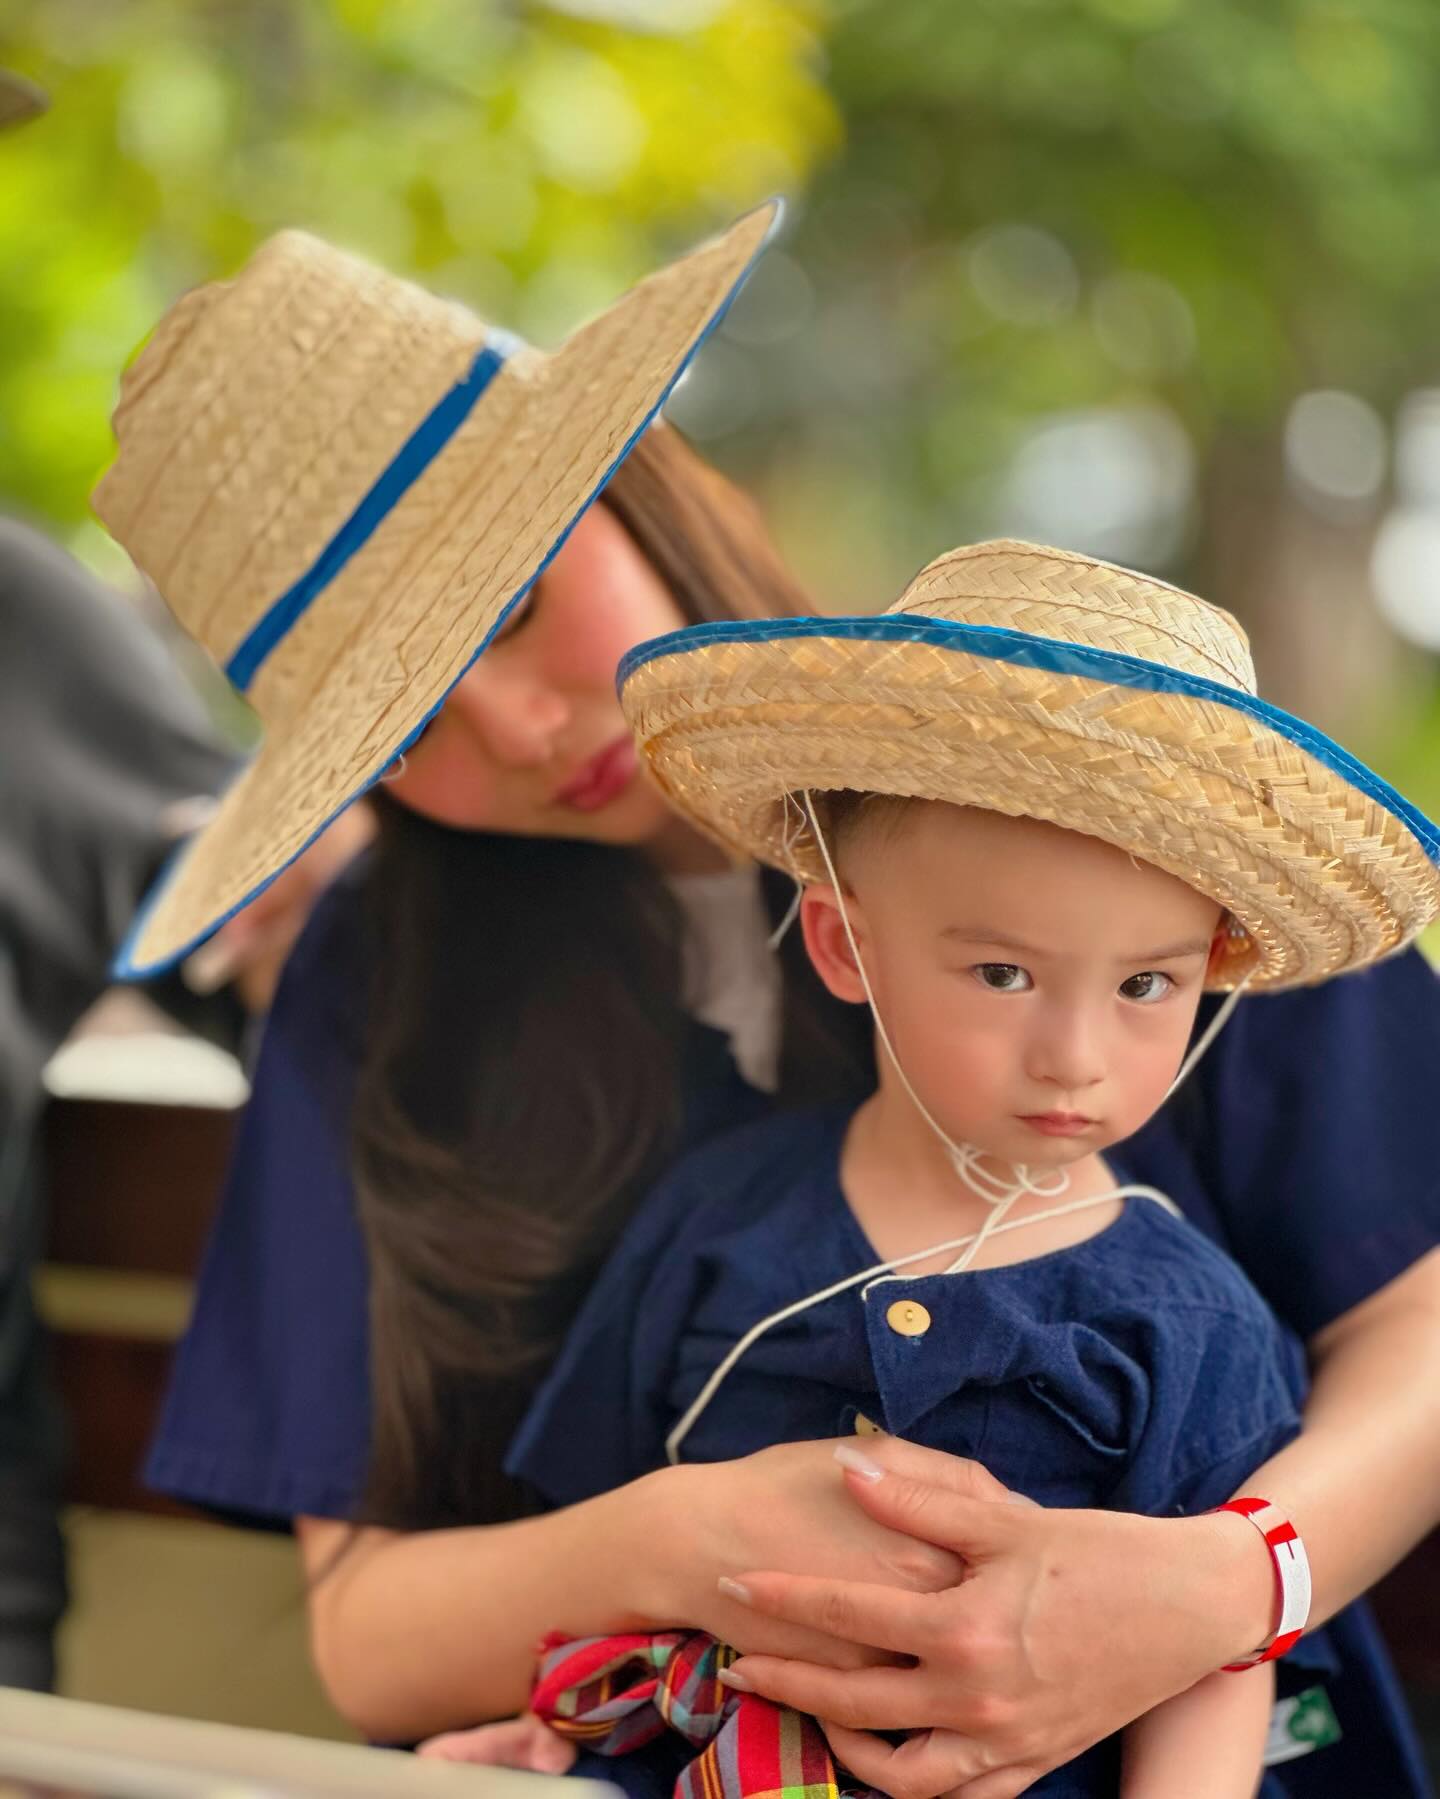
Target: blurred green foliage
column 531, row 159
column 1229, row 203
column 1181, row 213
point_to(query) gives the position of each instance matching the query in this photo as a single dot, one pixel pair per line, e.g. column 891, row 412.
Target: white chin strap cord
column 998, row 1193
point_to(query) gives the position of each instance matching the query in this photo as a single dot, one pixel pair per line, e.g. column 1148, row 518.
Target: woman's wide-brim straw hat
column 1047, row 685
column 341, row 484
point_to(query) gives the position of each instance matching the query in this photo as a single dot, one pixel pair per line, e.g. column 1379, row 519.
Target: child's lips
column 1059, row 1124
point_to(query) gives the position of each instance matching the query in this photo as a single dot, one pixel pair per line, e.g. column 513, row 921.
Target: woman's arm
column 1360, row 1482
column 418, row 1633
column 1007, row 1663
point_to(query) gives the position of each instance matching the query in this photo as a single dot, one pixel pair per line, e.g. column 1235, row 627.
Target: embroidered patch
column 1299, row 1724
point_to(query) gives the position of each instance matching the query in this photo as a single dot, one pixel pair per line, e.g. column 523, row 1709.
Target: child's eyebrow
column 964, row 933
column 996, row 939
column 1192, row 946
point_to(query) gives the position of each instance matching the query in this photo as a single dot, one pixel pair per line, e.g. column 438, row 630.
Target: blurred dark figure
column 103, row 753
column 106, row 760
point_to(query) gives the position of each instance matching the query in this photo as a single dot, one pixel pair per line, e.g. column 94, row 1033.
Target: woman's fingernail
column 857, row 1462
column 733, row 1589
column 729, row 1678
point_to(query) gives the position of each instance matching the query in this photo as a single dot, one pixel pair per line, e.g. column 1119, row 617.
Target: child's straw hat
column 1048, row 685
column 341, row 484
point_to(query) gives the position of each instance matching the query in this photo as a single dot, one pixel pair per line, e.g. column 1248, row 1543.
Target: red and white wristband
column 1292, row 1577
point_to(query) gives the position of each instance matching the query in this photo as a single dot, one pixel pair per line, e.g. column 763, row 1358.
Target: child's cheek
column 975, row 1077
column 1148, row 1073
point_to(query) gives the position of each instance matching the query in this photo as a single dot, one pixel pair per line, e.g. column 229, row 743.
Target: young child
column 1036, row 810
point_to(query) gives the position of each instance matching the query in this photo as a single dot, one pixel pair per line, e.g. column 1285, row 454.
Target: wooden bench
column 132, row 1190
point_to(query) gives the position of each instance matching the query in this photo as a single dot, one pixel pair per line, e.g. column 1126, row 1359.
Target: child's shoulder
column 1224, row 1380
column 1171, row 1274
column 749, row 1172
column 1197, row 1270
column 755, row 1163
column 783, row 1140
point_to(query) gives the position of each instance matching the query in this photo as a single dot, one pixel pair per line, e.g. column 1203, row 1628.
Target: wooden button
column 866, row 1427
column 908, row 1318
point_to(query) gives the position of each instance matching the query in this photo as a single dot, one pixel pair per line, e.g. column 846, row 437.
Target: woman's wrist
column 642, row 1541
column 1239, row 1578
column 607, row 1553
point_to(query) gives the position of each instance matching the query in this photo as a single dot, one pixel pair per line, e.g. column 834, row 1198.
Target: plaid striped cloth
column 615, row 1694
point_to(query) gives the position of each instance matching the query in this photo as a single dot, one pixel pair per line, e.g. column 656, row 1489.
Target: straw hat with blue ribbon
column 341, row 485
column 1047, row 685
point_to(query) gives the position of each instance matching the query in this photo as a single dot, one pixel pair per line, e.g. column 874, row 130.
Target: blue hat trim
column 1055, row 656
column 409, row 462
column 400, row 474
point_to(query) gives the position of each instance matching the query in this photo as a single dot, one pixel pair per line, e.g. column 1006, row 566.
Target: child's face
column 1039, row 987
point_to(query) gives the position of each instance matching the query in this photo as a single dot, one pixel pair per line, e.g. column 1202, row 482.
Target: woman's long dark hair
column 520, row 1085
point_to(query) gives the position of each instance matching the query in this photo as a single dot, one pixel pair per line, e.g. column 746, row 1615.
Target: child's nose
column 1066, row 1053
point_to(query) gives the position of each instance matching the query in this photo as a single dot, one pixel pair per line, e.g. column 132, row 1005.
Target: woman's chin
column 632, row 820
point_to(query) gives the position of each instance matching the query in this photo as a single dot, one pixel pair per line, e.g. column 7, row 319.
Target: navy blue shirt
column 1138, row 1370
column 267, row 1415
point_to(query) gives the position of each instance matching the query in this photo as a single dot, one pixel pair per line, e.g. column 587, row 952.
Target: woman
column 460, row 1096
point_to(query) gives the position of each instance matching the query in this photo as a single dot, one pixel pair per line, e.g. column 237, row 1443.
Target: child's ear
column 828, row 946
column 1219, row 946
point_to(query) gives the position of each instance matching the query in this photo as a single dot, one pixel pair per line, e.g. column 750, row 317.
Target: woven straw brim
column 366, row 667
column 1321, row 876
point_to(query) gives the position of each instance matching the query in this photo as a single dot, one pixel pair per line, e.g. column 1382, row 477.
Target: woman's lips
column 1058, row 1124
column 602, row 778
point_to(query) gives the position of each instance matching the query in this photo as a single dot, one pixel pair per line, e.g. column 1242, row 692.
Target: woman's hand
column 392, row 1614
column 1064, row 1626
column 782, row 1508
column 249, row 950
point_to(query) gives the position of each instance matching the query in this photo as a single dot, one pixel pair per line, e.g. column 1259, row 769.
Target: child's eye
column 1146, row 988
column 1001, row 977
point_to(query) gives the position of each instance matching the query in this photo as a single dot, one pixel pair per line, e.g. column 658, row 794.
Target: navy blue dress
column 1326, row 1096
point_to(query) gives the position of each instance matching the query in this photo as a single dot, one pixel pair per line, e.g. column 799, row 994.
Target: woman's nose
column 516, row 720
